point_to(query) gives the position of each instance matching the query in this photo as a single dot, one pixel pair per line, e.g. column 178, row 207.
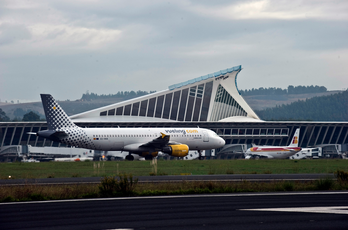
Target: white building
column 212, row 97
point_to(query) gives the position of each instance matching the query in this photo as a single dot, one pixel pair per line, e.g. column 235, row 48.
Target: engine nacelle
column 176, row 150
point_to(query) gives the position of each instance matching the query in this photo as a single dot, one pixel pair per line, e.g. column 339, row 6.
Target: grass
column 116, row 187
column 19, row 170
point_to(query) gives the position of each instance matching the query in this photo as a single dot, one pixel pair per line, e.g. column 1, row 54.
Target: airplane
column 279, row 152
column 76, row 158
column 145, row 142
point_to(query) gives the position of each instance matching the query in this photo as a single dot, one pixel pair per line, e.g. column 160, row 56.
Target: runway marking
column 121, row 229
column 179, row 196
column 327, row 210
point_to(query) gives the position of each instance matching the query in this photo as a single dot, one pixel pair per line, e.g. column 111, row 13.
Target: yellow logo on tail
column 295, row 141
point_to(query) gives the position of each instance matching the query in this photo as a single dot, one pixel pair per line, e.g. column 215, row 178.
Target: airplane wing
column 157, row 143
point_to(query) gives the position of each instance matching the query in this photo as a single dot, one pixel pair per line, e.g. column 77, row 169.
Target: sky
column 67, row 48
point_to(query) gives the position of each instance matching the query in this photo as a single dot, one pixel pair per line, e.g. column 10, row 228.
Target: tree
column 324, row 108
column 19, row 112
column 3, row 116
column 31, row 116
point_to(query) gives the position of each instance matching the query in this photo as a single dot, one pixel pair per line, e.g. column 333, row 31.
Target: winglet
column 163, row 135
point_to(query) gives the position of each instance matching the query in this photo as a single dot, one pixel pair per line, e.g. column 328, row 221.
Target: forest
column 125, row 95
column 278, row 91
column 326, row 108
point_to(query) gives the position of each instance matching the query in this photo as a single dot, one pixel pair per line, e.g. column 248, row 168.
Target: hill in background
column 325, row 108
column 261, row 102
column 269, row 104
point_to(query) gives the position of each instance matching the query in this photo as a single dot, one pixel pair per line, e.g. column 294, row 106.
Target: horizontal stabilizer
column 31, row 133
column 52, row 134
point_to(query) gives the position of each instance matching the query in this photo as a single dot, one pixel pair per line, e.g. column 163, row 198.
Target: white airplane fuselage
column 273, row 151
column 119, row 139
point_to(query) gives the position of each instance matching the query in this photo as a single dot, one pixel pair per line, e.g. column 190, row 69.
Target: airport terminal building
column 211, row 101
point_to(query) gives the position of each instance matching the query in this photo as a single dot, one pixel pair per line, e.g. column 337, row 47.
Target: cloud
column 275, row 9
column 111, row 45
column 67, row 37
column 12, row 33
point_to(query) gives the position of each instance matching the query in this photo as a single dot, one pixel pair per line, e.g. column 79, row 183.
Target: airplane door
column 205, row 136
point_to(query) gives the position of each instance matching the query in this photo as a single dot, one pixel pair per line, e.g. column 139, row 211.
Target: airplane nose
column 221, row 141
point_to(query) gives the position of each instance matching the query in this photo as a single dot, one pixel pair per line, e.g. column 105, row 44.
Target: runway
column 216, row 211
column 177, row 178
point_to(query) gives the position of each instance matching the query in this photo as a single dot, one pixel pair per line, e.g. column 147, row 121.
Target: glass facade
column 182, row 107
column 183, row 104
column 135, row 109
column 175, row 105
column 151, row 109
column 119, row 111
column 159, row 106
column 111, row 112
column 190, row 103
column 206, row 101
column 225, row 106
column 127, row 110
column 167, row 105
column 143, row 107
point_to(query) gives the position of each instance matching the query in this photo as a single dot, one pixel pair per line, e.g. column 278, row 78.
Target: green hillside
column 325, row 108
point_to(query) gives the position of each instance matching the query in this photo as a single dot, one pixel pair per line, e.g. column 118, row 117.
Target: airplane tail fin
column 55, row 115
column 295, row 138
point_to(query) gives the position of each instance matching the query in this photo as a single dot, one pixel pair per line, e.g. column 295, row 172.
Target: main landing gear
column 200, row 155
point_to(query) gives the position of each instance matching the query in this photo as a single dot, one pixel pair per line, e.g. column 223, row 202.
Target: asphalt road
column 228, row 177
column 217, row 211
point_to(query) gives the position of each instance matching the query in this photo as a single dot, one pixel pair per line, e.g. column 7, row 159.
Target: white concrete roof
column 240, row 119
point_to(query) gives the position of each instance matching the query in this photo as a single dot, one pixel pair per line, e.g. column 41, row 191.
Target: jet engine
column 176, row 150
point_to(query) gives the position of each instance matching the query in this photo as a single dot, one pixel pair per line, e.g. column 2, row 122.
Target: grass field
column 128, row 186
column 176, row 167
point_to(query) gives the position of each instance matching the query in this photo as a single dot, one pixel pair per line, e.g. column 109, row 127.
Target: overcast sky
column 65, row 47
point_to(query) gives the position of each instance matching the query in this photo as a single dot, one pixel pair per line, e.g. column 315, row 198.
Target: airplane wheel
column 257, row 157
column 129, row 158
column 200, row 155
